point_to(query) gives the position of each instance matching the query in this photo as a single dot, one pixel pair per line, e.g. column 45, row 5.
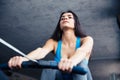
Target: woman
column 69, row 44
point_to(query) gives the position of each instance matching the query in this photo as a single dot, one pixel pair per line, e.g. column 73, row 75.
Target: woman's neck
column 69, row 38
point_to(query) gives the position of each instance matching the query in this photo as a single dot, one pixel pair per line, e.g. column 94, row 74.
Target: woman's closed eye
column 69, row 17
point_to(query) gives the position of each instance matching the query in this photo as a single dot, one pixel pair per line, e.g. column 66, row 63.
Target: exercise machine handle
column 45, row 64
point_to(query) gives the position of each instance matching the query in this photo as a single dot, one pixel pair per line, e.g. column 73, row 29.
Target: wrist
column 73, row 62
column 25, row 59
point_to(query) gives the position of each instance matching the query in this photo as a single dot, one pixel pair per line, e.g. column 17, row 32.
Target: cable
column 16, row 50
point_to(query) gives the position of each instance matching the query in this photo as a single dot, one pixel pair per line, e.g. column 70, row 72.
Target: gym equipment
column 38, row 63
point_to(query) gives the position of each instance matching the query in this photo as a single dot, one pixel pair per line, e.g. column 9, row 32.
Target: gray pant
column 52, row 74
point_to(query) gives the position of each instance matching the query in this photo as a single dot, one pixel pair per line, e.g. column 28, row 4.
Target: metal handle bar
column 45, row 64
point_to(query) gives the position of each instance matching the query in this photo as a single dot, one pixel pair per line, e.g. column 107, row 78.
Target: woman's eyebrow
column 67, row 15
column 63, row 16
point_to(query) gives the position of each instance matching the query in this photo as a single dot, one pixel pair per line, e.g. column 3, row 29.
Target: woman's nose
column 65, row 18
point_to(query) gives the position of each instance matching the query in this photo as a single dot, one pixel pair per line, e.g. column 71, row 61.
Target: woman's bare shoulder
column 87, row 38
column 51, row 41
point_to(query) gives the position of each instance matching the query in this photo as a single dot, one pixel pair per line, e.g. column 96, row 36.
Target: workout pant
column 3, row 76
column 52, row 74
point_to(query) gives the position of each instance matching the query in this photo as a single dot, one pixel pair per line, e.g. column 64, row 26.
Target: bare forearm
column 84, row 51
column 38, row 53
column 78, row 57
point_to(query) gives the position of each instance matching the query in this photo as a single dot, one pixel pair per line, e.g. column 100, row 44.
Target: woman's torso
column 68, row 51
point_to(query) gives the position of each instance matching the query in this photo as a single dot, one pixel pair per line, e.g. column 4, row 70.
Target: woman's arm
column 83, row 51
column 38, row 53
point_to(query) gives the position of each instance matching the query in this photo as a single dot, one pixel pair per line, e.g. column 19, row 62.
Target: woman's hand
column 15, row 62
column 65, row 65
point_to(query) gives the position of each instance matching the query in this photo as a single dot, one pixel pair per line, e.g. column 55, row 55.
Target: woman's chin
column 67, row 27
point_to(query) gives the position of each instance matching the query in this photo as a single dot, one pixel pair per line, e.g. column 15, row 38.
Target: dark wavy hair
column 57, row 35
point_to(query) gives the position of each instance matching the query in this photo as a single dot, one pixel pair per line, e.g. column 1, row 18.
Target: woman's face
column 67, row 21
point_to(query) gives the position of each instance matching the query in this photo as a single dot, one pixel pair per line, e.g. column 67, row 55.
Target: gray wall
column 27, row 24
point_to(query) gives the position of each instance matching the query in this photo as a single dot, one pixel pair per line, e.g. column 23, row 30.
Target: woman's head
column 57, row 35
column 67, row 21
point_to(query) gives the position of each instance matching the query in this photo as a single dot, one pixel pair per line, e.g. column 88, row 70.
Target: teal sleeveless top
column 66, row 76
column 58, row 51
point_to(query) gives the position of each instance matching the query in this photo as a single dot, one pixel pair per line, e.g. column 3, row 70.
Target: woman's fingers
column 65, row 65
column 15, row 62
column 18, row 62
column 61, row 64
column 69, row 66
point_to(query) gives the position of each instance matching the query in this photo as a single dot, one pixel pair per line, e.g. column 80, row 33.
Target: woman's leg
column 58, row 75
column 51, row 74
column 3, row 76
column 48, row 74
column 87, row 76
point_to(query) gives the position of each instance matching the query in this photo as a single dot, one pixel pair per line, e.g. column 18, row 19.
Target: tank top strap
column 58, row 51
column 78, row 42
